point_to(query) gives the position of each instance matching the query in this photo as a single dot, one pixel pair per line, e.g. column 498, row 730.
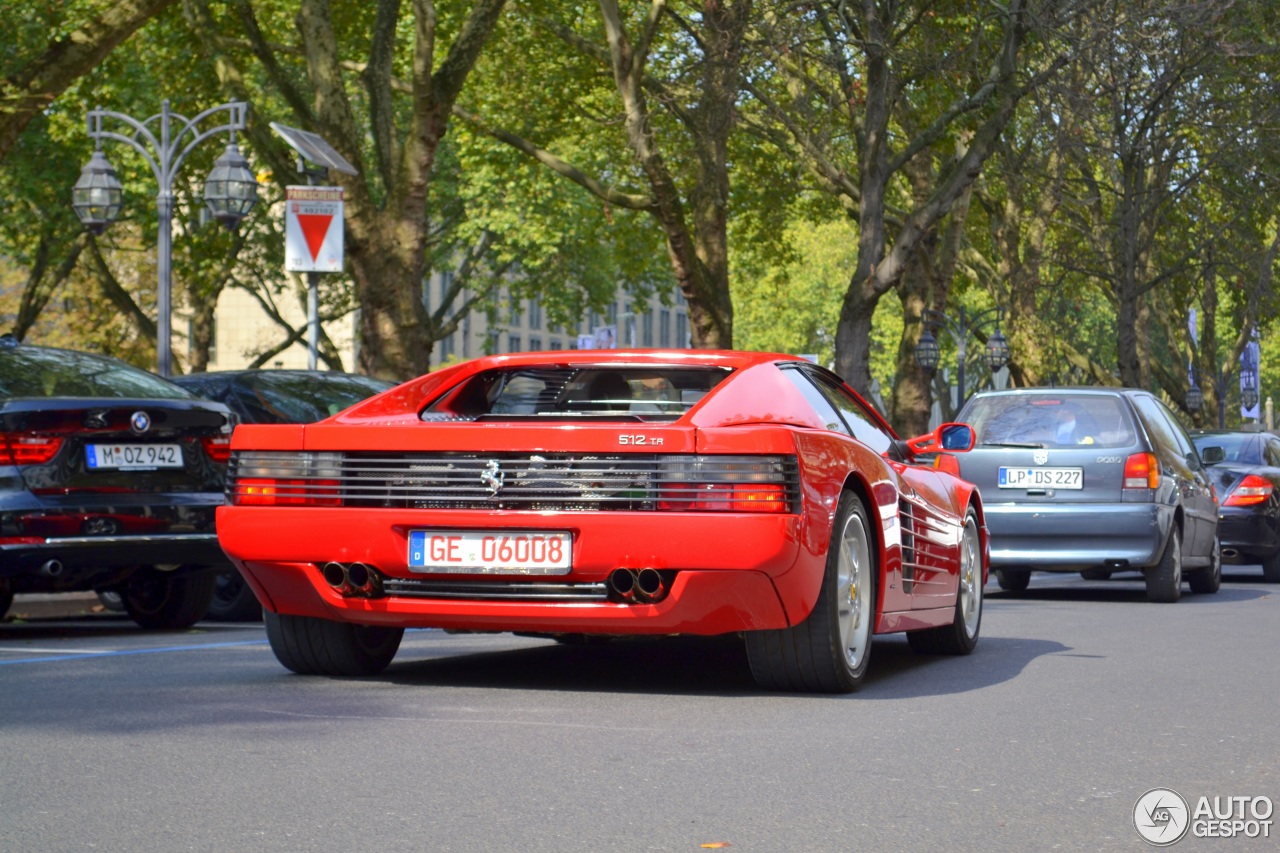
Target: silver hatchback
column 1092, row 480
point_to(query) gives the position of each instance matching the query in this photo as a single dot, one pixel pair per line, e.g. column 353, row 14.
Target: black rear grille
column 495, row 590
column 539, row 481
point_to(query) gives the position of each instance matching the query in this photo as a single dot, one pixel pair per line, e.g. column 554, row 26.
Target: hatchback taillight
column 16, row 449
column 1141, row 471
column 1250, row 491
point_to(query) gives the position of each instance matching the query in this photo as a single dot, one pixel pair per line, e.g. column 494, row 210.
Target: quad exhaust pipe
column 638, row 586
column 353, row 580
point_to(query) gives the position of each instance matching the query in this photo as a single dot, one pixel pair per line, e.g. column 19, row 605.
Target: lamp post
column 230, row 190
column 995, row 353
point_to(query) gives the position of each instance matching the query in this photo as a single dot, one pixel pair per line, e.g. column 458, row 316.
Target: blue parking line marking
column 99, row 655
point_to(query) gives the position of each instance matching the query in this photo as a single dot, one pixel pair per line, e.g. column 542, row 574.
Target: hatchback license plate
column 1041, row 478
column 490, row 552
column 132, row 456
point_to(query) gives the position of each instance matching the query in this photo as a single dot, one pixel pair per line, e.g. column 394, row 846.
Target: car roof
column 684, row 357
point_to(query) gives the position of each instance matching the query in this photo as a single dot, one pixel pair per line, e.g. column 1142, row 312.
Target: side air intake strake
column 543, row 481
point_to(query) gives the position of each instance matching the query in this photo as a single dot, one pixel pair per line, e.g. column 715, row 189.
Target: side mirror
column 952, row 437
column 1213, row 455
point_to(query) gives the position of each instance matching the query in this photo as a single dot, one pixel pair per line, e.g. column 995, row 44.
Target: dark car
column 1092, row 480
column 109, row 480
column 1248, row 484
column 273, row 397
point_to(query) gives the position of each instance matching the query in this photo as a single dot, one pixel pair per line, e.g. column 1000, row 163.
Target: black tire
column 1096, row 574
column 166, row 601
column 1271, row 568
column 311, row 646
column 233, row 599
column 1208, row 580
column 961, row 636
column 830, row 650
column 1013, row 580
column 1164, row 579
column 6, row 601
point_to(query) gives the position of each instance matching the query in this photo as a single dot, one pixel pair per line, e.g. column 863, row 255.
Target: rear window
column 1050, row 420
column 1237, row 448
column 573, row 392
column 27, row 371
column 305, row 398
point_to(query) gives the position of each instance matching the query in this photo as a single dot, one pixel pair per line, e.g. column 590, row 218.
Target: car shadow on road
column 1117, row 591
column 715, row 666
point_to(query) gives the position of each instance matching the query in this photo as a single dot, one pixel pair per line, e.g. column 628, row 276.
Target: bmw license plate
column 126, row 457
column 487, row 552
column 1041, row 478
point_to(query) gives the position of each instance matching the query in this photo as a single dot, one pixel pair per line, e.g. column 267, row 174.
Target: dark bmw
column 109, row 479
column 273, row 397
column 1092, row 480
column 1248, row 483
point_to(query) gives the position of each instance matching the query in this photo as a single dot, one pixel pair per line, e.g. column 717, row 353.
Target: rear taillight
column 256, row 491
column 1141, row 471
column 261, row 478
column 724, row 497
column 18, row 449
column 1250, row 491
column 217, row 447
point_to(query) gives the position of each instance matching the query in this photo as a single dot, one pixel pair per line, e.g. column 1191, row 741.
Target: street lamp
column 230, row 191
column 995, row 353
column 1219, row 380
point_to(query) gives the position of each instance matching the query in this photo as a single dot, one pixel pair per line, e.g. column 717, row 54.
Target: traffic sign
column 313, row 229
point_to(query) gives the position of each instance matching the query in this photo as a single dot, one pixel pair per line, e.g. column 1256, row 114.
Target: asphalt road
column 1081, row 697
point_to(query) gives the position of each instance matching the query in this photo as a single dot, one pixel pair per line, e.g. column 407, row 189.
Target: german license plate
column 132, row 456
column 1041, row 478
column 486, row 552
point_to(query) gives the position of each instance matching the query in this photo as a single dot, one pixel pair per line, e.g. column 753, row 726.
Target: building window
column 513, row 343
column 664, row 328
column 446, row 348
column 612, row 313
column 466, row 336
column 682, row 329
column 492, row 343
column 555, row 344
column 535, row 314
column 535, row 343
column 515, row 311
column 647, row 335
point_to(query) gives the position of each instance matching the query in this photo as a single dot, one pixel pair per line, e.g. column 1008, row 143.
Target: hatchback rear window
column 579, row 391
column 1050, row 420
column 27, row 371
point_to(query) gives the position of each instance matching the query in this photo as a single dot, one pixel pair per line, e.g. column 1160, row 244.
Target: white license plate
column 487, row 552
column 1041, row 478
column 133, row 456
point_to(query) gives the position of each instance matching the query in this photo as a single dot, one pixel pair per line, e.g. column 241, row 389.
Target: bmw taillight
column 1250, row 491
column 1141, row 471
column 217, row 447
column 17, row 449
column 263, row 478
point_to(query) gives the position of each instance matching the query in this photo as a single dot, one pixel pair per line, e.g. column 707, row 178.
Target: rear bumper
column 1069, row 538
column 731, row 572
column 67, row 564
column 1246, row 535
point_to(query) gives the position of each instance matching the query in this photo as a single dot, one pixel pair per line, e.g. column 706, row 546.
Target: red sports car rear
column 609, row 493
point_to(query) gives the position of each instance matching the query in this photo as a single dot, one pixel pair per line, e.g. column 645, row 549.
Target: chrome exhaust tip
column 335, row 575
column 622, row 582
column 51, row 568
column 651, row 587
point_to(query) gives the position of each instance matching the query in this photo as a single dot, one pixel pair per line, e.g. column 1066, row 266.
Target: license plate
column 1041, row 478
column 133, row 456
column 490, row 552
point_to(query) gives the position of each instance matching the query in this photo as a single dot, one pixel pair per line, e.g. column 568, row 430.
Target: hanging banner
column 1250, row 371
column 313, row 229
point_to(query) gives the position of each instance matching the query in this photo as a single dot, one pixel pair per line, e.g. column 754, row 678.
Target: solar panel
column 313, row 148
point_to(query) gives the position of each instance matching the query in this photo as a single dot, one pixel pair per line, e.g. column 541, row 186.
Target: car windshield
column 1236, row 448
column 27, row 371
column 305, row 398
column 1050, row 420
column 576, row 391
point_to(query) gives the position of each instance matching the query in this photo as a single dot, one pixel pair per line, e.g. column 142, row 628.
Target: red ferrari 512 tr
column 610, row 492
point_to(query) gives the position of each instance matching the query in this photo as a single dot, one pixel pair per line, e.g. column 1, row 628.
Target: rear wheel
column 829, row 651
column 1164, row 579
column 233, row 599
column 311, row 646
column 1271, row 568
column 1096, row 574
column 166, row 601
column 1208, row 580
column 961, row 636
column 1013, row 580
